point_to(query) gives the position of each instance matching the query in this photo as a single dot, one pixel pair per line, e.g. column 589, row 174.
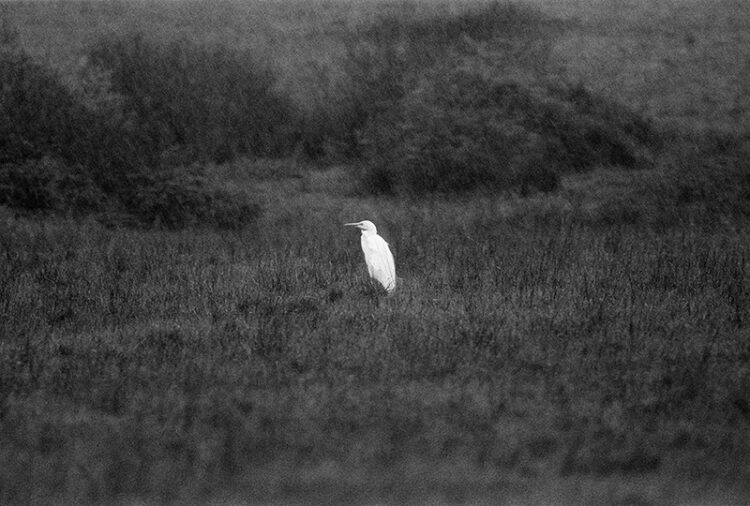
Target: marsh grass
column 166, row 365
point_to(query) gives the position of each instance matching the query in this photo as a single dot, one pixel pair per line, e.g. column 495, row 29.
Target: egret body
column 378, row 255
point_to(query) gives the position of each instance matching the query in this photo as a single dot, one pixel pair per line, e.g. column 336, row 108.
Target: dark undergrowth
column 461, row 132
column 424, row 104
column 60, row 155
column 386, row 59
column 206, row 103
column 704, row 180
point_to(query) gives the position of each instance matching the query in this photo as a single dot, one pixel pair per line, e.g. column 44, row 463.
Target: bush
column 43, row 118
column 179, row 199
column 374, row 79
column 59, row 152
column 205, row 103
column 48, row 184
column 710, row 175
column 458, row 131
column 387, row 58
column 700, row 180
column 418, row 106
column 55, row 154
column 39, row 115
column 171, row 199
column 589, row 130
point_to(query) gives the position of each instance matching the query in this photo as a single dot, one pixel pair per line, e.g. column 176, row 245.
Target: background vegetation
column 565, row 187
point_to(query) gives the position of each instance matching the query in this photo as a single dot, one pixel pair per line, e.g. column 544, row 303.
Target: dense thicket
column 421, row 104
column 460, row 131
column 59, row 154
column 207, row 103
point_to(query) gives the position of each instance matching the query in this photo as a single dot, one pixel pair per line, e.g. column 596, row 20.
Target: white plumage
column 378, row 256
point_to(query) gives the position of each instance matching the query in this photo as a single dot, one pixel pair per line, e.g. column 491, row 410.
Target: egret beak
column 351, row 224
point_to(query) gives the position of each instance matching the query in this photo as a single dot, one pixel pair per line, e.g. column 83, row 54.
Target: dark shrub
column 386, row 59
column 209, row 103
column 443, row 150
column 60, row 154
column 178, row 199
column 41, row 117
column 48, row 185
column 374, row 80
column 419, row 105
column 458, row 131
column 589, row 130
column 25, row 187
column 539, row 176
column 56, row 153
column 712, row 175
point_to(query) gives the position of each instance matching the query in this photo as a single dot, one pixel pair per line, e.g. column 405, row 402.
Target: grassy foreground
column 584, row 347
column 524, row 357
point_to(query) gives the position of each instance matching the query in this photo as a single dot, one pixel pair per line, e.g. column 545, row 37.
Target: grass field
column 585, row 346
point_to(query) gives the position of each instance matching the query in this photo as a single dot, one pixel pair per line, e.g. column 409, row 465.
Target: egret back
column 379, row 260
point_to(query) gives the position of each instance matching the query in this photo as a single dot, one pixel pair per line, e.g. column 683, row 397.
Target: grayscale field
column 564, row 185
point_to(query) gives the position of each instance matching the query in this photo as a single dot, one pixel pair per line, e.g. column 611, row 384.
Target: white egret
column 378, row 256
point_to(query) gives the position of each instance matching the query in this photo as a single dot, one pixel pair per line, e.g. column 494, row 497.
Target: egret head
column 364, row 226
